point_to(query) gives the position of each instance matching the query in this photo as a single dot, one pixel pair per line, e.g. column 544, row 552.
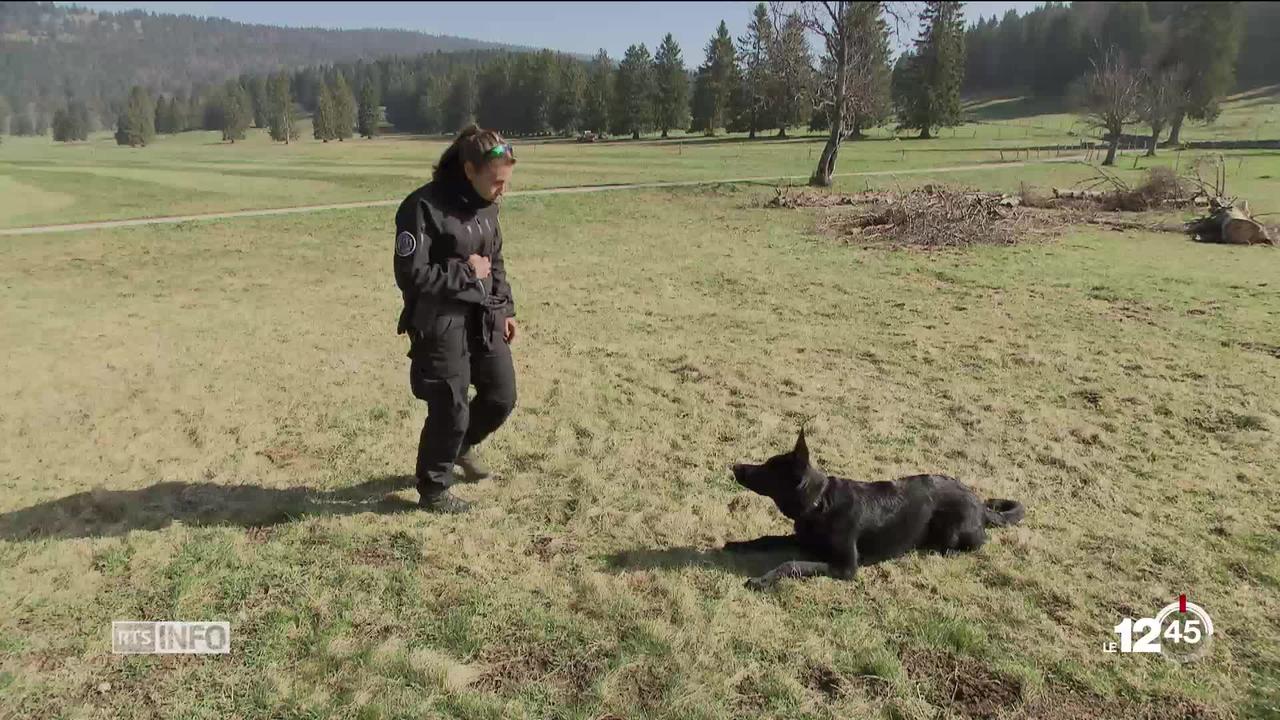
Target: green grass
column 212, row 421
column 42, row 182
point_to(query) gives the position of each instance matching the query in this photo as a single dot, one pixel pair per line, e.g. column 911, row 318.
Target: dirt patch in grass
column 964, row 685
column 513, row 666
column 823, row 679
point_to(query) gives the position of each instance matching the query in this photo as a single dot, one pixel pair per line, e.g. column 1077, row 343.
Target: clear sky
column 567, row 26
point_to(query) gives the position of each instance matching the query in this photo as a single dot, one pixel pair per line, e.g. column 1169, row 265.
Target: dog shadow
column 111, row 513
column 744, row 563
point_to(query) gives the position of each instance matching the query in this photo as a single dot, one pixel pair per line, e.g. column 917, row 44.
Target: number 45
column 1188, row 631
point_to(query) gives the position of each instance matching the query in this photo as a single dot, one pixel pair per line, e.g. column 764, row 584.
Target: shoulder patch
column 406, row 243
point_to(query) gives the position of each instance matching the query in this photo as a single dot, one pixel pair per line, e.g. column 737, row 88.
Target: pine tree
column 370, row 111
column 344, row 109
column 635, row 92
column 1127, row 27
column 1061, row 55
column 429, row 110
column 173, row 116
column 23, row 124
column 792, row 67
column 1205, row 42
column 460, row 110
column 722, row 75
column 929, row 86
column 758, row 73
column 258, row 93
column 599, row 95
column 533, row 82
column 877, row 106
column 65, row 128
column 136, row 125
column 401, row 99
column 237, row 112
column 283, row 119
column 306, row 87
column 700, row 104
column 162, row 116
column 324, row 122
column 672, row 87
column 188, row 115
column 493, row 94
column 567, row 112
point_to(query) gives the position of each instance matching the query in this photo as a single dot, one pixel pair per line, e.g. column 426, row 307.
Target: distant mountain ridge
column 50, row 52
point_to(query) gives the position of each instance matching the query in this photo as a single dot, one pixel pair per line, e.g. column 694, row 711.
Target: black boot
column 437, row 498
column 472, row 469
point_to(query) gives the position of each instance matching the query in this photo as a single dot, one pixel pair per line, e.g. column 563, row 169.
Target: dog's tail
column 1000, row 513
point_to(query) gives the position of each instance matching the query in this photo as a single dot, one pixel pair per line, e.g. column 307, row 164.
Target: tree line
column 1177, row 63
column 1209, row 49
column 765, row 80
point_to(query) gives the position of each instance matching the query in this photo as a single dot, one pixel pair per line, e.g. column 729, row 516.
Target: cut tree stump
column 1230, row 225
column 1240, row 229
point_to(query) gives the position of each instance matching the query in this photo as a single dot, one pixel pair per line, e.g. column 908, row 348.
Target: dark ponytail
column 471, row 146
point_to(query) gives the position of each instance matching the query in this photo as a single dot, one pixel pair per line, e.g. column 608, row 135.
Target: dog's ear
column 801, row 452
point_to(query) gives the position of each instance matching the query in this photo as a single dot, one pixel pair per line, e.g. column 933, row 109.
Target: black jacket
column 438, row 226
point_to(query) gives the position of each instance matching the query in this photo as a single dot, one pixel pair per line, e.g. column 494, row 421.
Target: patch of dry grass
column 214, row 422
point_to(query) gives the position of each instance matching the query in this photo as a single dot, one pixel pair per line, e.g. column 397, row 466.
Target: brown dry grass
column 147, row 388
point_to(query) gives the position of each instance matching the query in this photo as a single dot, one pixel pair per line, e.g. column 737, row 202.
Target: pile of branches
column 1226, row 219
column 936, row 217
column 1161, row 189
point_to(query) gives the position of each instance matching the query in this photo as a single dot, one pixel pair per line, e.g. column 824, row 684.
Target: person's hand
column 480, row 265
column 509, row 332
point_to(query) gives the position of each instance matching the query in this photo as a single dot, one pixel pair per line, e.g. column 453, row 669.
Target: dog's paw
column 759, row 584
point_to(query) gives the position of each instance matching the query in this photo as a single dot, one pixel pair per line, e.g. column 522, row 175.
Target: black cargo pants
column 460, row 351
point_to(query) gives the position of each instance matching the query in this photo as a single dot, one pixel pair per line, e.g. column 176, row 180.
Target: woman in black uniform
column 458, row 309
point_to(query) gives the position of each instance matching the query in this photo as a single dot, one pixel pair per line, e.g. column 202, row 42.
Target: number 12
column 1147, row 643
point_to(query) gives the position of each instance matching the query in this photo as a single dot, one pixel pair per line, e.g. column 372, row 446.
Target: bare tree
column 1112, row 94
column 849, row 33
column 1164, row 98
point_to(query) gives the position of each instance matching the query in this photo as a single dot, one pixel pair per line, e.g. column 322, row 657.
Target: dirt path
column 174, row 219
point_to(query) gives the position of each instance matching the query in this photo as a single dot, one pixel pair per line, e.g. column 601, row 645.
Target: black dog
column 846, row 524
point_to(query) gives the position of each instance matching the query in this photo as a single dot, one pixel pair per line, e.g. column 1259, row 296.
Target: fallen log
column 1078, row 194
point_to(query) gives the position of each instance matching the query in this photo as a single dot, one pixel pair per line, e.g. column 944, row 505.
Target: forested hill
column 48, row 52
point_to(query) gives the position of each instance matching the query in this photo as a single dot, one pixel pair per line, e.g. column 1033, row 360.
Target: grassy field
column 42, row 182
column 213, row 421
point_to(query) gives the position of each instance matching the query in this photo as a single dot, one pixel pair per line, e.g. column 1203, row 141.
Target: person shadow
column 749, row 563
column 110, row 513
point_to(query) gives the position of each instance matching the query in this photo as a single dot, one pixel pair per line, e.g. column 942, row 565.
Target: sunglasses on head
column 498, row 151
